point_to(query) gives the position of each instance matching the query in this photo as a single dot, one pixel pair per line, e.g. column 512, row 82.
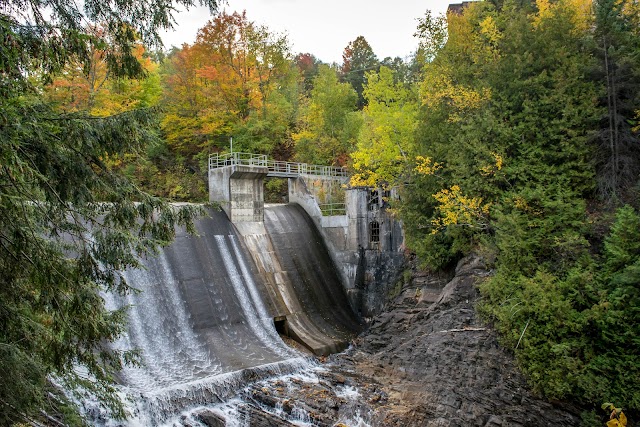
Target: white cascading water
column 159, row 326
column 252, row 306
column 190, row 362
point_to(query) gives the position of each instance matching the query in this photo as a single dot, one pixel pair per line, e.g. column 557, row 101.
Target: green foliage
column 510, row 111
column 69, row 227
column 329, row 123
column 432, row 33
column 386, row 136
column 617, row 41
column 619, row 308
column 358, row 59
column 237, row 81
column 582, row 340
column 275, row 190
column 69, row 223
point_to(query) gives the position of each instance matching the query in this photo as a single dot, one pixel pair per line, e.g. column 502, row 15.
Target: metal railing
column 330, row 209
column 275, row 168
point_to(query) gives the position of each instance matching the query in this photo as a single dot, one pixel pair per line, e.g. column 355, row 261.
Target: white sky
column 325, row 27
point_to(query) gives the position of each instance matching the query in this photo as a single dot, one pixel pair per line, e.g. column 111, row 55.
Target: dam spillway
column 323, row 313
column 204, row 319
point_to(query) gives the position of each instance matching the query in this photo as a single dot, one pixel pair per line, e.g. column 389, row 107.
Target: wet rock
column 210, row 419
column 446, row 365
column 421, row 363
column 260, row 418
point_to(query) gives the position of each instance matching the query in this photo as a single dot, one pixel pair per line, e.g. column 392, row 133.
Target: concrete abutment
column 365, row 243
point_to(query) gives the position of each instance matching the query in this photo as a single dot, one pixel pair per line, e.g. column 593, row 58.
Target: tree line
column 237, row 80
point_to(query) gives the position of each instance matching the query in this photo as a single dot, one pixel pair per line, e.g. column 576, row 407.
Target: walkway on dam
column 277, row 168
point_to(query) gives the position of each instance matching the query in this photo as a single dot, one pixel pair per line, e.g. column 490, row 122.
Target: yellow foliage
column 438, row 88
column 581, row 12
column 426, row 166
column 617, row 417
column 631, row 9
column 545, row 11
column 489, row 28
column 364, row 179
column 520, row 203
column 499, row 160
column 490, row 31
column 491, row 169
column 457, row 209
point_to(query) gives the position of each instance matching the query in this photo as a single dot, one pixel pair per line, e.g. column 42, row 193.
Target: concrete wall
column 365, row 244
column 240, row 191
column 369, row 268
column 377, row 239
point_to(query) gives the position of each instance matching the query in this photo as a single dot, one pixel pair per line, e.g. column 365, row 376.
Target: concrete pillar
column 240, row 191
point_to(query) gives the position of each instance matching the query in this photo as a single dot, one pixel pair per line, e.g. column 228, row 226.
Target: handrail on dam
column 332, row 209
column 276, row 168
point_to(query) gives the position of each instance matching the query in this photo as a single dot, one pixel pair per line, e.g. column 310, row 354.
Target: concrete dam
column 213, row 307
column 208, row 315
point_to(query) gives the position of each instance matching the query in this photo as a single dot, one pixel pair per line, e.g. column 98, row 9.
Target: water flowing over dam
column 207, row 318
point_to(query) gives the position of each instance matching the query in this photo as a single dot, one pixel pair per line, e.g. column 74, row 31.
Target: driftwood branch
column 462, row 330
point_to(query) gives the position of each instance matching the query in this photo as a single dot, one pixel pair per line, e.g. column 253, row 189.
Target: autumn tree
column 329, row 123
column 236, row 81
column 194, row 113
column 69, row 224
column 308, row 66
column 91, row 87
column 234, row 73
column 385, row 141
column 358, row 58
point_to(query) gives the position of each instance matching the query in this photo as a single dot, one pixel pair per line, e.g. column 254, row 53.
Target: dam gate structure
column 213, row 306
column 365, row 241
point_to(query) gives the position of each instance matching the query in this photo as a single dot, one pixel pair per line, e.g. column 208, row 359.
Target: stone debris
column 419, row 364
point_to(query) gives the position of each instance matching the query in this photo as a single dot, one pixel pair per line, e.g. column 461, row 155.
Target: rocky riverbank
column 426, row 361
column 440, row 366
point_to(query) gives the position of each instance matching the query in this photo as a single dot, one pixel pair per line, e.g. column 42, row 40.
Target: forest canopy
column 526, row 150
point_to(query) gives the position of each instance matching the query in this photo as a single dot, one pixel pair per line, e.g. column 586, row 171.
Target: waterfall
column 201, row 325
column 203, row 319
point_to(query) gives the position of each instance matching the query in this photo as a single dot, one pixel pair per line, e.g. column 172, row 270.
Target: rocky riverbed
column 426, row 361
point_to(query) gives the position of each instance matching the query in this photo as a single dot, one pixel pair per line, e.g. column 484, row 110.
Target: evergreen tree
column 357, row 59
column 505, row 162
column 618, row 50
column 68, row 223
